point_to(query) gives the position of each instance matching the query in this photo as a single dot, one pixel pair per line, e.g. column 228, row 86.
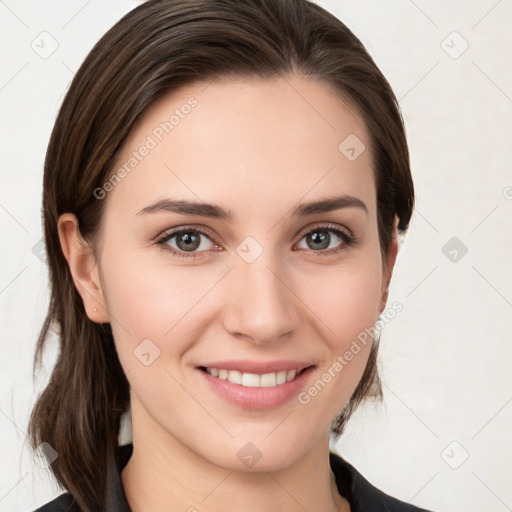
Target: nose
column 260, row 305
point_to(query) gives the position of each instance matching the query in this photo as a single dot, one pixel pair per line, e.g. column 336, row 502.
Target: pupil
column 320, row 237
column 189, row 241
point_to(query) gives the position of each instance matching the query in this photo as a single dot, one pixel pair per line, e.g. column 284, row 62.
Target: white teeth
column 281, row 377
column 235, row 377
column 253, row 380
column 268, row 380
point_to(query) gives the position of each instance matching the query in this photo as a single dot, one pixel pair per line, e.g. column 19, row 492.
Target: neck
column 163, row 474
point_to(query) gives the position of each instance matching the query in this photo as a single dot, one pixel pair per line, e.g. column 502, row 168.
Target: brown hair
column 154, row 49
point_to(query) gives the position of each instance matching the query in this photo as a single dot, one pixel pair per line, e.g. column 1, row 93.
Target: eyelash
column 349, row 240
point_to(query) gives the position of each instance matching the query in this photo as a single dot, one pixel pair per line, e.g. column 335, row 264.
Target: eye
column 320, row 239
column 188, row 241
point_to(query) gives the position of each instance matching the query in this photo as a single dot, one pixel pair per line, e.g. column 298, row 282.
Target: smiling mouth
column 254, row 380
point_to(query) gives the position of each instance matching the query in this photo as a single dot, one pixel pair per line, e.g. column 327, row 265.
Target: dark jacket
column 361, row 494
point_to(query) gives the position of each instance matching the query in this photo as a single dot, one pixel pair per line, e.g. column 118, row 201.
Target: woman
column 203, row 150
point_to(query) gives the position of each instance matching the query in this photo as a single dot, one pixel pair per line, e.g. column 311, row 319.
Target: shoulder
column 361, row 494
column 63, row 503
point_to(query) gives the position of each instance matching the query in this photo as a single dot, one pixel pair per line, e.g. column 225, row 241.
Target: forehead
column 248, row 144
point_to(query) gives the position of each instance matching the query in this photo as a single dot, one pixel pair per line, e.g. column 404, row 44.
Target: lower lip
column 257, row 398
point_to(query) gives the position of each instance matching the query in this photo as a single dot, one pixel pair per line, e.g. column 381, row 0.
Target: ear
column 83, row 268
column 388, row 264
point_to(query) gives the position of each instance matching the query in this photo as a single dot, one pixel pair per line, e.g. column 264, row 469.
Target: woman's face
column 275, row 287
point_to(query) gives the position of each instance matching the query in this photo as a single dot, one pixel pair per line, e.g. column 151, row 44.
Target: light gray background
column 442, row 439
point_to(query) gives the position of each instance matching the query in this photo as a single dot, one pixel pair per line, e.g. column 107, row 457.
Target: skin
column 257, row 148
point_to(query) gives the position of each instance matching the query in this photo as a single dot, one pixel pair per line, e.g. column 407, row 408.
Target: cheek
column 150, row 300
column 346, row 300
column 154, row 312
column 347, row 304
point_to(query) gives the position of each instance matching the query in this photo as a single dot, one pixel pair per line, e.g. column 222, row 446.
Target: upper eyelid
column 172, row 232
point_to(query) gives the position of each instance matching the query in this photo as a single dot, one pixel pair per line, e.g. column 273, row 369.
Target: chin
column 253, row 451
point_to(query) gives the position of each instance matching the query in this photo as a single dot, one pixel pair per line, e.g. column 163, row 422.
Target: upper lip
column 246, row 366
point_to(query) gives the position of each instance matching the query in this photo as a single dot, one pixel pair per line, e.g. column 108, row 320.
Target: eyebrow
column 217, row 212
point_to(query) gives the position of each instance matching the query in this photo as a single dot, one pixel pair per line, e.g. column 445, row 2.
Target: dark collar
column 361, row 494
column 115, row 500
